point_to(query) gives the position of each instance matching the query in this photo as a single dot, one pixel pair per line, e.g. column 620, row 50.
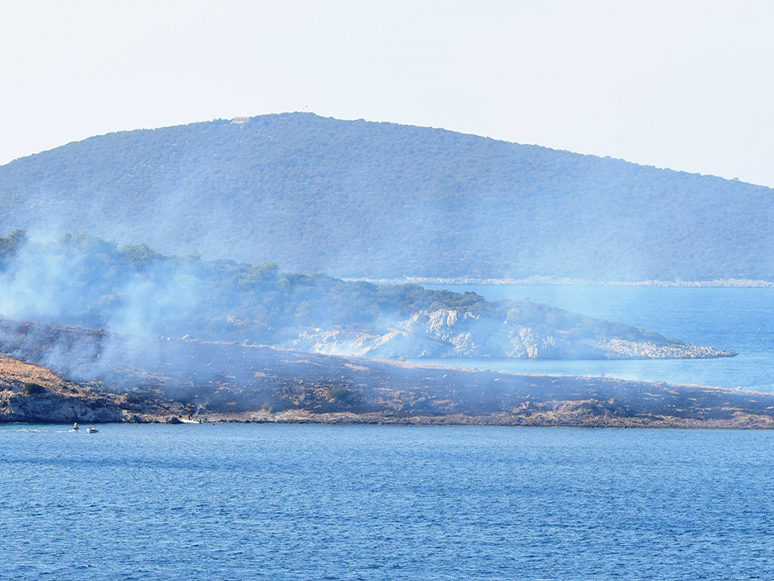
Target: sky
column 683, row 85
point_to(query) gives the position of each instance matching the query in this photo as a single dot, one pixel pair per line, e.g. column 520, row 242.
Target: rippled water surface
column 383, row 502
column 734, row 319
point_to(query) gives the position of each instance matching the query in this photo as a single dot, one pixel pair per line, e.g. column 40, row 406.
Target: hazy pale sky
column 684, row 85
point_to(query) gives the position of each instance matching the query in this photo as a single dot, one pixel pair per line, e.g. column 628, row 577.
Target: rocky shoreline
column 34, row 394
column 561, row 418
column 409, row 395
column 551, row 281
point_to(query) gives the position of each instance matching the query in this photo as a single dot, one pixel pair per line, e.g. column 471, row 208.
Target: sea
column 262, row 501
column 733, row 319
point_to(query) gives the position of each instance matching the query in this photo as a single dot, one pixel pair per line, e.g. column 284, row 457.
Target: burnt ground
column 158, row 376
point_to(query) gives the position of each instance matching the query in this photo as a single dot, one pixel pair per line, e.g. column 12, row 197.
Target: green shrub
column 342, row 394
column 33, row 388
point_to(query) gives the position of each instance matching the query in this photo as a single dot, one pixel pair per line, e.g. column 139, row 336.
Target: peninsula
column 88, row 282
column 210, row 381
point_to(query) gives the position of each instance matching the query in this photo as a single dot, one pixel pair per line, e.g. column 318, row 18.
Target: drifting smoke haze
column 61, row 283
column 138, row 317
column 349, row 198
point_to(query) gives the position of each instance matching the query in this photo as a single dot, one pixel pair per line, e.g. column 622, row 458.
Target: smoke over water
column 140, row 319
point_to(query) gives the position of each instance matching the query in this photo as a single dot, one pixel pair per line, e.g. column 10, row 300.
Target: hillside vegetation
column 361, row 199
column 92, row 283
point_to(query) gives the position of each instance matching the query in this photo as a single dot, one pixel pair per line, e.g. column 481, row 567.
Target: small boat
column 92, row 430
column 75, row 427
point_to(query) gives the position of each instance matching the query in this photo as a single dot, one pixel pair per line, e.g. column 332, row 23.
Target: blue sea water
column 234, row 501
column 735, row 319
column 248, row 501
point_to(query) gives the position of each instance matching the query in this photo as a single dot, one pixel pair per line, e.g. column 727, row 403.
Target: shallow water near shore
column 246, row 501
column 735, row 319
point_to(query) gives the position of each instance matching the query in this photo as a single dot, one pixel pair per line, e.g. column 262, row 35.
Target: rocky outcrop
column 623, row 349
column 29, row 393
column 57, row 408
column 449, row 333
column 33, row 394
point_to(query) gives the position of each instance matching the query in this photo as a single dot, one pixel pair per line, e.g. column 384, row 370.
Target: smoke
column 171, row 323
column 88, row 282
column 123, row 299
column 130, row 318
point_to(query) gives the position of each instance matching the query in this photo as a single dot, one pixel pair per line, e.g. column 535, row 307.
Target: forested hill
column 361, row 199
column 89, row 282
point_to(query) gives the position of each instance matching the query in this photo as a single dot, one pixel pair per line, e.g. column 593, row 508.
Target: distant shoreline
column 550, row 281
column 503, row 420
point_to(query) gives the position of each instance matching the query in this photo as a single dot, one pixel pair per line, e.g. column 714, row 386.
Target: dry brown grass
column 13, row 371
